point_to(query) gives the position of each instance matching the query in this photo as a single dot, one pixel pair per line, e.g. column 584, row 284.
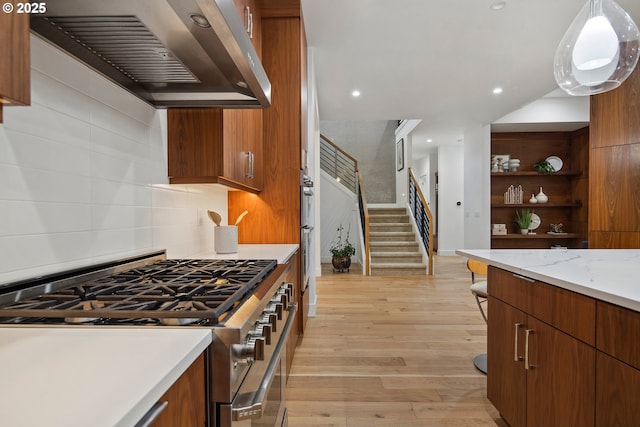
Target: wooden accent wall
column 614, row 214
column 274, row 214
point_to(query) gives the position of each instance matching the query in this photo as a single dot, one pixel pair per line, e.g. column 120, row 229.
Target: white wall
column 84, row 174
column 339, row 206
column 477, row 182
column 450, row 192
column 555, row 107
column 402, row 177
column 422, row 170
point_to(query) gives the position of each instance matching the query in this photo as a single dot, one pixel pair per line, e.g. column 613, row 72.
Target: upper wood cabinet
column 567, row 189
column 252, row 19
column 15, row 72
column 614, row 193
column 214, row 145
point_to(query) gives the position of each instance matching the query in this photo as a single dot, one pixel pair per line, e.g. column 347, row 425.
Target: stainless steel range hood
column 168, row 52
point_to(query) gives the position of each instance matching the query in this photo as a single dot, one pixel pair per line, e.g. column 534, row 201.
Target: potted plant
column 523, row 220
column 341, row 251
column 544, row 166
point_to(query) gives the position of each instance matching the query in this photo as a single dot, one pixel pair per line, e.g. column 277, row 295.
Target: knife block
column 226, row 239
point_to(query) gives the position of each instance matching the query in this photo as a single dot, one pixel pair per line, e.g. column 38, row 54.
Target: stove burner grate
column 187, row 291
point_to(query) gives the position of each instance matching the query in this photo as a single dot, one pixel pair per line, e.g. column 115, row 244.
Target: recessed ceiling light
column 498, row 5
column 429, row 140
column 497, row 91
column 355, row 93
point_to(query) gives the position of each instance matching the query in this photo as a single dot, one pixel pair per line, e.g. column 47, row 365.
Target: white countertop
column 281, row 252
column 85, row 376
column 611, row 275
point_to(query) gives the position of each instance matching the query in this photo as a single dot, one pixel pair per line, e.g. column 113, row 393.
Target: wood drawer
column 618, row 332
column 507, row 287
column 568, row 311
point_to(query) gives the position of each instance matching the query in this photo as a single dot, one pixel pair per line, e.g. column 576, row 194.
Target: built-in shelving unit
column 567, row 189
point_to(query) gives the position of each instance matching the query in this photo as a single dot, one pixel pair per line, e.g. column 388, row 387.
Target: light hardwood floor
column 392, row 351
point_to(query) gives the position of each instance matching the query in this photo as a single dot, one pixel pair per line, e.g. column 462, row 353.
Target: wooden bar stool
column 479, row 291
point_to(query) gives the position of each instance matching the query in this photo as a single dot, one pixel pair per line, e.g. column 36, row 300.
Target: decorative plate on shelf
column 555, row 161
column 535, row 222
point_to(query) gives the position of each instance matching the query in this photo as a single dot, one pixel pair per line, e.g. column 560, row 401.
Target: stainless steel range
column 244, row 301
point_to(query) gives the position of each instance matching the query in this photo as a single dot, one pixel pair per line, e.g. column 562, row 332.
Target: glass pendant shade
column 599, row 50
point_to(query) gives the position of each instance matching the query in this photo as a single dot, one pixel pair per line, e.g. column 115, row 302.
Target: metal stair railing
column 338, row 163
column 423, row 217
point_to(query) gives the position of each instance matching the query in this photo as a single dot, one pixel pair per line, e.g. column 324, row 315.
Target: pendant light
column 598, row 51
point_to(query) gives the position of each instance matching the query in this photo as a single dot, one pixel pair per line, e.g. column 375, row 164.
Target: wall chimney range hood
column 171, row 53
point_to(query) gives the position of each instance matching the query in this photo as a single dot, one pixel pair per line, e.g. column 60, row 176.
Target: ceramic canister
column 225, row 239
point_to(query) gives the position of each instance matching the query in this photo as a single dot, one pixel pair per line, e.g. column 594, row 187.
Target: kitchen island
column 611, row 275
column 562, row 340
column 90, row 376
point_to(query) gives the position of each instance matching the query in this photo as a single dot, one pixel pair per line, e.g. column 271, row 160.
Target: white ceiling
column 435, row 60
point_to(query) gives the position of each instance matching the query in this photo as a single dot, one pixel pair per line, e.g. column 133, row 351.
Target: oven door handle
column 253, row 408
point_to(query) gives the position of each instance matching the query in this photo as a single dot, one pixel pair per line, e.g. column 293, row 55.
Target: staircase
column 393, row 244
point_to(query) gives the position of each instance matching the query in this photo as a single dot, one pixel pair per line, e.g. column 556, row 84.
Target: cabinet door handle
column 528, row 333
column 249, row 21
column 528, row 279
column 250, row 164
column 516, row 358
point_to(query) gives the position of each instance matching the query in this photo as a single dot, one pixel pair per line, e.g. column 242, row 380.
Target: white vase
column 524, row 231
column 541, row 197
column 533, row 199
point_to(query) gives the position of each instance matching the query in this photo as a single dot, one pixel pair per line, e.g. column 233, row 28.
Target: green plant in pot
column 523, row 220
column 544, row 166
column 341, row 251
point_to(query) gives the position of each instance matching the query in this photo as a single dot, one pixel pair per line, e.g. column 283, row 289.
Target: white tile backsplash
column 83, row 176
column 29, row 217
column 59, row 66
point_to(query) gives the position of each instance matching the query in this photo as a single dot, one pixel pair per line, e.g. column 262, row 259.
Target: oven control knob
column 252, row 350
column 276, row 308
column 286, row 288
column 270, row 319
column 281, row 299
column 262, row 330
column 258, row 348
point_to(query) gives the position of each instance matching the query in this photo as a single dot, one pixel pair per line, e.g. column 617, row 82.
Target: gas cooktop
column 167, row 292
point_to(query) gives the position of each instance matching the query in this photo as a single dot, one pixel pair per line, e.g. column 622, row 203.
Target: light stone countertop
column 90, row 376
column 611, row 275
column 281, row 252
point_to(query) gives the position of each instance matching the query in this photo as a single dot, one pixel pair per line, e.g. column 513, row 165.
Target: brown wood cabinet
column 567, row 189
column 618, row 366
column 15, row 71
column 214, row 145
column 539, row 372
column 186, row 398
column 252, row 19
column 615, row 167
column 275, row 214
